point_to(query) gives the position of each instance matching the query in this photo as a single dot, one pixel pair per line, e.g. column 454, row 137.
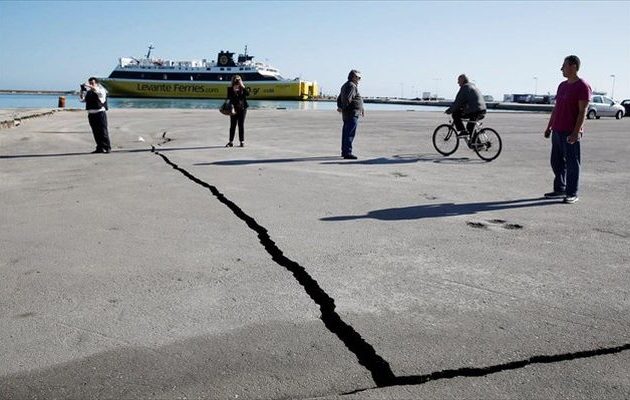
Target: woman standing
column 237, row 93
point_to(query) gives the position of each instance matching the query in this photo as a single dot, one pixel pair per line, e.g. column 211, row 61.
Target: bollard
column 62, row 102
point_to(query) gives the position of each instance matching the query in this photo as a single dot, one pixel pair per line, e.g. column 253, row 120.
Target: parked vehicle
column 602, row 106
column 626, row 105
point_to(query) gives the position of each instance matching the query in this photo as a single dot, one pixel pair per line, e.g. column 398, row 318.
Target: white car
column 602, row 106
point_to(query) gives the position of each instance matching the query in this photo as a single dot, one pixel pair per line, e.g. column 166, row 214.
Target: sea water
column 72, row 101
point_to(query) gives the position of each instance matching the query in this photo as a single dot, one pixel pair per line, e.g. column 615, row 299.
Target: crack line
column 493, row 369
column 381, row 372
column 365, row 353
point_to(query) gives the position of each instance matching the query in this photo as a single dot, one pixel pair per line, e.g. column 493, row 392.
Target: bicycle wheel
column 488, row 144
column 445, row 139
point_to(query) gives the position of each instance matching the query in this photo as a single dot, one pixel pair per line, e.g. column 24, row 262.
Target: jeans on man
column 348, row 132
column 565, row 163
column 473, row 117
column 98, row 123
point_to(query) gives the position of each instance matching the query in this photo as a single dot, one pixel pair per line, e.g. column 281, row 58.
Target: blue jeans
column 565, row 163
column 348, row 132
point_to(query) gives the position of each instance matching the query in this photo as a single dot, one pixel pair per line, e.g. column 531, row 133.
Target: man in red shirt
column 565, row 127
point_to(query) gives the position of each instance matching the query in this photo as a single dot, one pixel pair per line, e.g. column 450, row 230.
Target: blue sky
column 401, row 47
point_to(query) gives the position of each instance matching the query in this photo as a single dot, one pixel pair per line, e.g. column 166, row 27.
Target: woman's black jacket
column 238, row 100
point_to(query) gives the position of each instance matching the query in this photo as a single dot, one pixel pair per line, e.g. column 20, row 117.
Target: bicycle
column 486, row 142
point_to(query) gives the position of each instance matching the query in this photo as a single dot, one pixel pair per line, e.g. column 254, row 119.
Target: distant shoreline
column 492, row 105
column 19, row 91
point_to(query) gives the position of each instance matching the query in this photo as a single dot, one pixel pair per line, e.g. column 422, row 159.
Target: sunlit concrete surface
column 280, row 270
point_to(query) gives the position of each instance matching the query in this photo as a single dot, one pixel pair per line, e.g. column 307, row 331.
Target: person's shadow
column 142, row 150
column 409, row 159
column 444, row 210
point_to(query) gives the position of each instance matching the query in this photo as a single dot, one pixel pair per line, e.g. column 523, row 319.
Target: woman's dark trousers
column 238, row 118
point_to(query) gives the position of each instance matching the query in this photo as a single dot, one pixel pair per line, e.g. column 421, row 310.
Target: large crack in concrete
column 493, row 369
column 366, row 354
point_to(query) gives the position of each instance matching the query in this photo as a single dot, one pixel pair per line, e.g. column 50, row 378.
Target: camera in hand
column 83, row 87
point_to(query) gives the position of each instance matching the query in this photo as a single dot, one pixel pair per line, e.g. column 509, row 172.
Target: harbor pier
column 174, row 267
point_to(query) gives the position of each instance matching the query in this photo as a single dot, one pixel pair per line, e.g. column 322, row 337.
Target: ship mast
column 149, row 52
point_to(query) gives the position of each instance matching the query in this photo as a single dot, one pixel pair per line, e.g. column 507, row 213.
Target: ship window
column 240, row 69
column 222, row 69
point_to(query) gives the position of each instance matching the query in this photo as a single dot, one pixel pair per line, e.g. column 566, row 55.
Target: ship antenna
column 245, row 50
column 149, row 52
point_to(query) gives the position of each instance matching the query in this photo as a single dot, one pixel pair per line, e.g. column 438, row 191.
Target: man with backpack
column 95, row 97
column 350, row 105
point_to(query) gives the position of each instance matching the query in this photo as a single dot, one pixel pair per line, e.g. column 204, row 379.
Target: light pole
column 612, row 92
column 437, row 80
column 535, row 85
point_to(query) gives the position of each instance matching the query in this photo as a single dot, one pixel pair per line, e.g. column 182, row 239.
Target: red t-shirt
column 565, row 112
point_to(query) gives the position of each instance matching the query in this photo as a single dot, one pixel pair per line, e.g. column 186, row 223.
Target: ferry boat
column 155, row 77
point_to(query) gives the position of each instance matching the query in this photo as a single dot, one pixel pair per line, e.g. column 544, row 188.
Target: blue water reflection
column 72, row 101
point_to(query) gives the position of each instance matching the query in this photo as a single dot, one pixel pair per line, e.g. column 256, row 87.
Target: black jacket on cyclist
column 469, row 100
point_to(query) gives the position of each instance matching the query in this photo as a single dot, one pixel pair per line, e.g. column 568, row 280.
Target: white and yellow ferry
column 155, row 77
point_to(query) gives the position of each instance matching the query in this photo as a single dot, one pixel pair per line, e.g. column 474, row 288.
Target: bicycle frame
column 466, row 135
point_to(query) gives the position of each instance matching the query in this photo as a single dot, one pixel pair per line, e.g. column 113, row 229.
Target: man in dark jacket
column 350, row 105
column 468, row 103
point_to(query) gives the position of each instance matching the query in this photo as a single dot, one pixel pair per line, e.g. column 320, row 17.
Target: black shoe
column 349, row 157
column 97, row 151
column 242, row 144
column 554, row 195
column 229, row 144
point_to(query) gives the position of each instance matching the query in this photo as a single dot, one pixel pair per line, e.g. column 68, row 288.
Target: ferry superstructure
column 155, row 77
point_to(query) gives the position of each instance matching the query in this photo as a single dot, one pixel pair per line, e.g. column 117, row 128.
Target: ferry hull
column 291, row 90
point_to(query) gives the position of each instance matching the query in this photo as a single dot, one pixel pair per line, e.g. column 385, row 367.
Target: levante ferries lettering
column 175, row 87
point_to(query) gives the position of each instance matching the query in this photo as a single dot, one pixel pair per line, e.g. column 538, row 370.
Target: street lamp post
column 437, row 81
column 612, row 92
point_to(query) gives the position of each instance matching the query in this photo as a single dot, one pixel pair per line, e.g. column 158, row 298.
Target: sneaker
column 350, row 157
column 554, row 194
column 571, row 199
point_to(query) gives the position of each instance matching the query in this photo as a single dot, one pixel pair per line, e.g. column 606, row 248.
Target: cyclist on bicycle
column 468, row 104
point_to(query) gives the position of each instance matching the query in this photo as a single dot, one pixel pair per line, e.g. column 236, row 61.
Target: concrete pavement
column 279, row 270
